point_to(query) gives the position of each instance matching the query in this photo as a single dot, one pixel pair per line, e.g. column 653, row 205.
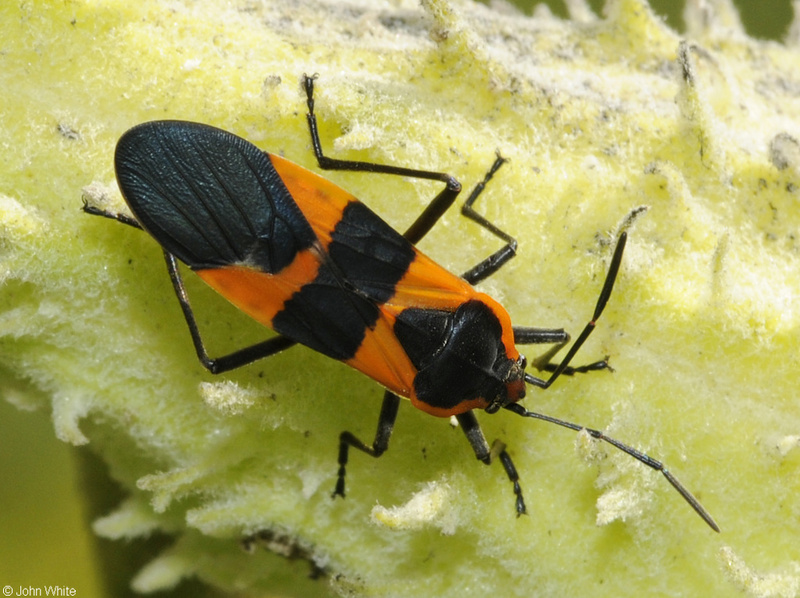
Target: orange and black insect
column 307, row 259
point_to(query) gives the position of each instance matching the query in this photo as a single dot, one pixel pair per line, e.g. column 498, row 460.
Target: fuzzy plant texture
column 600, row 117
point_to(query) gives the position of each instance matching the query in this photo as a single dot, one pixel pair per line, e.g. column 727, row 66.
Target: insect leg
column 216, row 365
column 391, row 404
column 469, row 423
column 437, row 207
column 629, row 450
column 124, row 219
column 602, row 300
column 228, row 362
column 531, row 336
column 499, row 258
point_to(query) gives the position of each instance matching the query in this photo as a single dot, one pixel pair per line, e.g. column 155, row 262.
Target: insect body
column 307, row 259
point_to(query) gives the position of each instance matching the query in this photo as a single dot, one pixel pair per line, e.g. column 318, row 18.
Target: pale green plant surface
column 598, row 117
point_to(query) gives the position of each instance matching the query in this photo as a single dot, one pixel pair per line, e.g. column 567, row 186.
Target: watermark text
column 39, row 591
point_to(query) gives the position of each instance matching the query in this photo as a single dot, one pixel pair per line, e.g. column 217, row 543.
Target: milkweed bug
column 307, row 259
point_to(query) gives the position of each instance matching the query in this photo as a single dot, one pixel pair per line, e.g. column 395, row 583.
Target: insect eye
column 494, row 406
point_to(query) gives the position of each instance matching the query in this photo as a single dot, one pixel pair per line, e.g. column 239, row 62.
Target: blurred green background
column 46, row 539
column 764, row 19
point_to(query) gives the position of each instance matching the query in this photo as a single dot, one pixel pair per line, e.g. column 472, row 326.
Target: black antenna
column 638, row 455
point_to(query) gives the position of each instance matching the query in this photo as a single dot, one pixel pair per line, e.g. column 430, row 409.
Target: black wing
column 209, row 197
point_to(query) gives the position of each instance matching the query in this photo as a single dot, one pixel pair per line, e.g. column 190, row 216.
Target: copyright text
column 39, row 591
